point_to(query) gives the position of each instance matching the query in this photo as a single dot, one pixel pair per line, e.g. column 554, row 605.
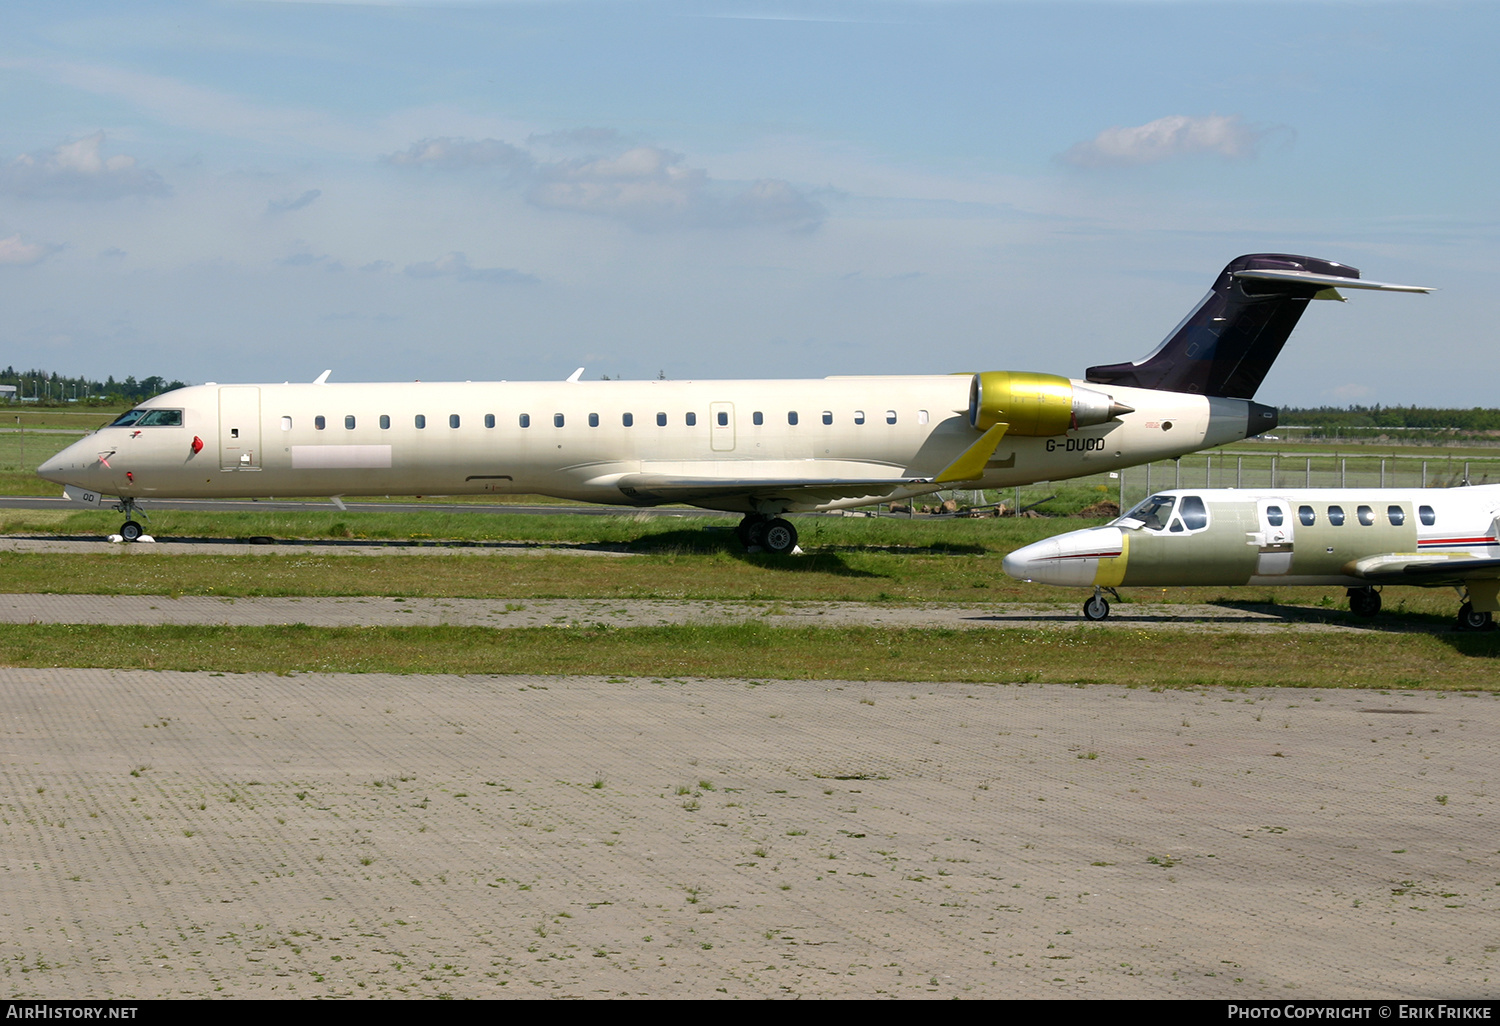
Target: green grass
column 639, row 532
column 1059, row 655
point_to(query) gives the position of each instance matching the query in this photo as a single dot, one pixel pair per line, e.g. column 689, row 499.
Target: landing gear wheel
column 1096, row 608
column 778, row 536
column 1364, row 602
column 1471, row 619
column 751, row 531
column 131, row 531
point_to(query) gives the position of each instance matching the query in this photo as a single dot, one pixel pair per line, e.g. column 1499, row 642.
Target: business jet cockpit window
column 1152, row 515
column 149, row 418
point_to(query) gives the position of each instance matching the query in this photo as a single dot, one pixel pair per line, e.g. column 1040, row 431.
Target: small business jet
column 761, row 448
column 1360, row 539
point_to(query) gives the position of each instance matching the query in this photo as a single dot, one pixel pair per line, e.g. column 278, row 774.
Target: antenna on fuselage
column 322, row 379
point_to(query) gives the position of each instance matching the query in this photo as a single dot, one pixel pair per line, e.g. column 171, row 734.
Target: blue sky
column 258, row 191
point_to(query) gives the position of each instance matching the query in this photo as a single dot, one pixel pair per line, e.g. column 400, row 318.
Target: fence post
column 1273, row 472
column 1424, row 473
column 1309, row 473
column 1239, row 471
column 1382, row 472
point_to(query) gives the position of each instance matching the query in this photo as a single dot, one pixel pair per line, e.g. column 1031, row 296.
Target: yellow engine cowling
column 1037, row 404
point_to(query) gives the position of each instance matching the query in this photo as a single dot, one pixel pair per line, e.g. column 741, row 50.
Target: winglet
column 573, row 378
column 970, row 466
column 322, row 379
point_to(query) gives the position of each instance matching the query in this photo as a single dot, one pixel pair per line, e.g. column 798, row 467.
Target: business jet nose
column 64, row 468
column 52, row 469
column 1068, row 559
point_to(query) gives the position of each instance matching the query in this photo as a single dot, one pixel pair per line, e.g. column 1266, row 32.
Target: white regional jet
column 760, row 448
column 1360, row 539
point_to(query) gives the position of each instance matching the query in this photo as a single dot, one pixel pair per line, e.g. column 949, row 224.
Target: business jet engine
column 1037, row 404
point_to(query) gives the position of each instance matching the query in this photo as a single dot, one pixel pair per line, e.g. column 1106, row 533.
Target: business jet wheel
column 131, row 531
column 778, row 536
column 1096, row 608
column 1471, row 619
column 1364, row 602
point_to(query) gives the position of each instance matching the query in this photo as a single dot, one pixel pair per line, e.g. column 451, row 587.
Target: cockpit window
column 1153, row 513
column 149, row 418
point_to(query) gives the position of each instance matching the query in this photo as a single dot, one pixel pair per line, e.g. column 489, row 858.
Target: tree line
column 50, row 388
column 1366, row 420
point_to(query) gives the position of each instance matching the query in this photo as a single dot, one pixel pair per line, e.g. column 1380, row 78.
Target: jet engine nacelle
column 1037, row 404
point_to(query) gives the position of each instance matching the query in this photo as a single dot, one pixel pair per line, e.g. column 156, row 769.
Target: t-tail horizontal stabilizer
column 1226, row 346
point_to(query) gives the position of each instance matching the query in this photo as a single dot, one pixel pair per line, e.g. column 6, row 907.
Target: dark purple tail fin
column 1227, row 344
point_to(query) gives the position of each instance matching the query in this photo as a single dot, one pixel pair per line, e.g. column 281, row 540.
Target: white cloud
column 452, row 154
column 456, row 265
column 1176, row 135
column 79, row 170
column 17, row 252
column 291, row 203
column 647, row 186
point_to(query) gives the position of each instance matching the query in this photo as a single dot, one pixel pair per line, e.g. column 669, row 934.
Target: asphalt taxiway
column 200, row 834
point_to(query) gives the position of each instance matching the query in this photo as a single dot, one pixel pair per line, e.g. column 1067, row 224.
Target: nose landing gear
column 130, row 530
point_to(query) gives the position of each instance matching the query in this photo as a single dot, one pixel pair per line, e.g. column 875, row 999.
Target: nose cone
column 1068, row 559
column 67, row 466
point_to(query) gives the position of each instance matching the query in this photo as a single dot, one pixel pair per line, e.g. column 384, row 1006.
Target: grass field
column 885, row 560
column 1093, row 655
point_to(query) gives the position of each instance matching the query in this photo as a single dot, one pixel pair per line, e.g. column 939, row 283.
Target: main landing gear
column 130, row 530
column 771, row 534
column 1471, row 619
column 1364, row 602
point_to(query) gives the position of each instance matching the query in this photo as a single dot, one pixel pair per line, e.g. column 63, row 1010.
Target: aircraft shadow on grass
column 1480, row 644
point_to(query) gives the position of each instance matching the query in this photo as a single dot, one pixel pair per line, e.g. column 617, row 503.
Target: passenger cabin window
column 628, row 419
column 319, row 422
column 859, row 416
column 692, row 420
column 489, row 420
column 1195, row 513
column 349, row 423
column 890, row 416
column 1396, row 514
column 827, row 416
column 557, row 420
column 1366, row 515
column 757, row 418
column 921, row 416
column 385, row 422
column 1274, row 516
column 286, row 423
column 791, row 417
column 593, row 420
column 661, row 420
column 723, row 419
column 453, row 420
column 1426, row 515
column 420, row 420
column 1307, row 515
column 1336, row 516
column 526, row 420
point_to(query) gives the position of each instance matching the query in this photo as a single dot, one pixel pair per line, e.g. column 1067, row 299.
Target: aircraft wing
column 655, row 488
column 807, row 482
column 1424, row 569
